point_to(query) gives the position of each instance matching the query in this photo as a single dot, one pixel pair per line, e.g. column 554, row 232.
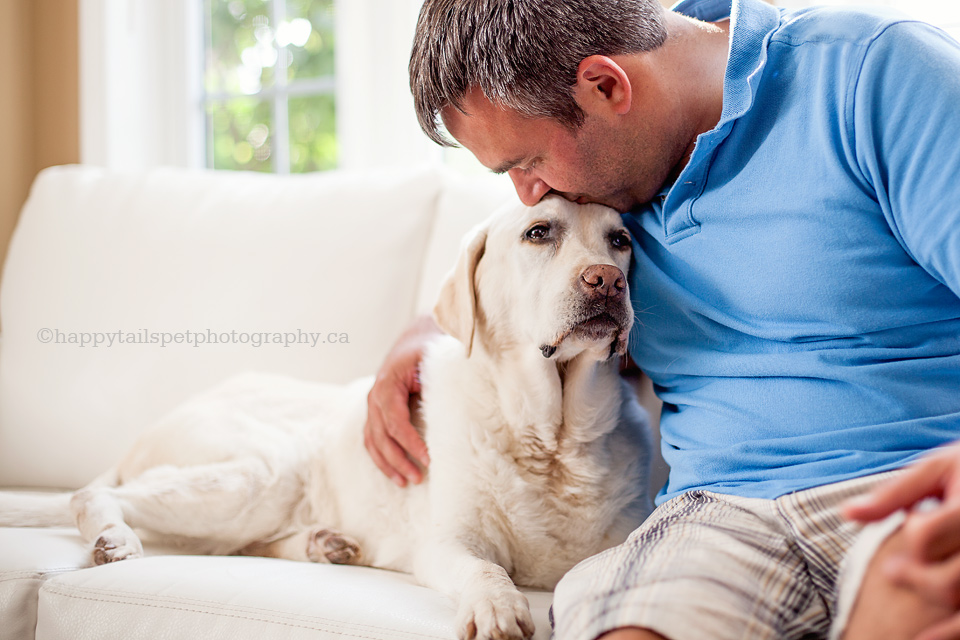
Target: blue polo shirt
column 797, row 287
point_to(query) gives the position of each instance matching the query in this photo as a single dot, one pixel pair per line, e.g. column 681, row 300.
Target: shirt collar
column 752, row 22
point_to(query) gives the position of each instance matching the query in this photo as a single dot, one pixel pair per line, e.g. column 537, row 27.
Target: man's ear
column 456, row 308
column 602, row 83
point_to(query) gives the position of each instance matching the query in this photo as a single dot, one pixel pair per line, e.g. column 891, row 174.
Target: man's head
column 566, row 96
column 520, row 54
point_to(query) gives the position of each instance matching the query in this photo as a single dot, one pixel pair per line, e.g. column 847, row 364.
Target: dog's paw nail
column 116, row 545
column 335, row 548
column 103, row 544
column 502, row 616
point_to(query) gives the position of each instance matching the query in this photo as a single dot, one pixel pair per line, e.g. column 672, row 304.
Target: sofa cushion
column 219, row 254
column 233, row 597
column 27, row 558
column 463, row 203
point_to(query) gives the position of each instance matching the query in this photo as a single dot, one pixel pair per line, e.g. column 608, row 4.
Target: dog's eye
column 620, row 239
column 538, row 232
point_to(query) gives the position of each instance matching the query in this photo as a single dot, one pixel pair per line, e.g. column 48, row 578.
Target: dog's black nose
column 602, row 281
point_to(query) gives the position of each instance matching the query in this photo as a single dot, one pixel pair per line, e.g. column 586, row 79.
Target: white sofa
column 106, row 275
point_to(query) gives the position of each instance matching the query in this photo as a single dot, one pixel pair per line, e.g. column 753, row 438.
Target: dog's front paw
column 504, row 615
column 324, row 545
column 116, row 543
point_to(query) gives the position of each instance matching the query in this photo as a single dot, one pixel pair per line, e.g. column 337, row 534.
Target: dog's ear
column 456, row 308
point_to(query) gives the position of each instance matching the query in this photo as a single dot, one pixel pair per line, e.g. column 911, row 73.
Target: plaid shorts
column 706, row 565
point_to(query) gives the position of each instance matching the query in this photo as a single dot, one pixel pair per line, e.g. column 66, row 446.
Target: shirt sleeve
column 906, row 119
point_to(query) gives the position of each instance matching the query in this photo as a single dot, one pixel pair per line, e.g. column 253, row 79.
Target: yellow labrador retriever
column 539, row 452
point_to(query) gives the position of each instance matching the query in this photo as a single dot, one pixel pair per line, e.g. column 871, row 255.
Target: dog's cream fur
column 539, row 452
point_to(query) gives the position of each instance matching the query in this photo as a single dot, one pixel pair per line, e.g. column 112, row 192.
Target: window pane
column 239, row 135
column 240, row 56
column 308, row 37
column 256, row 69
column 313, row 140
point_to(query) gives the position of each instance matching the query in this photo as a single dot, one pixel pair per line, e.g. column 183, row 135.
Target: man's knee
column 886, row 610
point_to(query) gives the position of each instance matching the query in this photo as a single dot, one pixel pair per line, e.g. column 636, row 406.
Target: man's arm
column 388, row 435
column 907, row 125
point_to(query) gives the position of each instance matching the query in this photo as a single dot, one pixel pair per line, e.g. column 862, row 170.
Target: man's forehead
column 490, row 140
column 475, row 107
column 458, row 115
column 456, row 124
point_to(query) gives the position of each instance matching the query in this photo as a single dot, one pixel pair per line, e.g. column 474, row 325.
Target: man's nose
column 530, row 188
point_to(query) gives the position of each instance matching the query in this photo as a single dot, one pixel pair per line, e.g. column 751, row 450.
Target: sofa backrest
column 125, row 293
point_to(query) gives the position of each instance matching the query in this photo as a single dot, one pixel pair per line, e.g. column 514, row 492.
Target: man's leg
column 885, row 610
column 702, row 566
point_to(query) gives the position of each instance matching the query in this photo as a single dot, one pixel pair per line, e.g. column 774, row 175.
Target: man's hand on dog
column 388, row 434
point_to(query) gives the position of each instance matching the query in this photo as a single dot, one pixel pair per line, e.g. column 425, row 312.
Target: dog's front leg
column 489, row 604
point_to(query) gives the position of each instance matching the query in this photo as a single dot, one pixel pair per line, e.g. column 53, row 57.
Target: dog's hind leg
column 313, row 545
column 226, row 505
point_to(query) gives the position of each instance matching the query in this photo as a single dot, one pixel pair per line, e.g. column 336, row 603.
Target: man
column 791, row 183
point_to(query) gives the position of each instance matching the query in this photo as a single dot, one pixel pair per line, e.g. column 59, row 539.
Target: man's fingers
column 949, row 629
column 392, row 442
column 398, row 425
column 372, row 446
column 385, row 452
column 937, row 582
column 400, row 440
column 922, row 480
column 398, row 459
column 393, row 453
column 933, row 535
column 394, row 437
column 391, row 402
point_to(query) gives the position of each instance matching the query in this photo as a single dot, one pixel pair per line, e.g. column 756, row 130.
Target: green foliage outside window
column 264, row 56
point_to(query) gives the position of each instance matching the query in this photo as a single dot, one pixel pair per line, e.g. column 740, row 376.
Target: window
column 268, row 93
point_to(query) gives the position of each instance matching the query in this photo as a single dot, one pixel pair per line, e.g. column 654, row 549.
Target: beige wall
column 39, row 99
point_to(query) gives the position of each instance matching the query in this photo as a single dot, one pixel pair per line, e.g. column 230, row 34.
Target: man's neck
column 697, row 53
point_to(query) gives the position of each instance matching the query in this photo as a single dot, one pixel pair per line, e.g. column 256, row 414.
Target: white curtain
column 376, row 123
column 139, row 79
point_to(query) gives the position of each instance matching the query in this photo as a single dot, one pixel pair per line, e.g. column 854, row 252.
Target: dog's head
column 550, row 277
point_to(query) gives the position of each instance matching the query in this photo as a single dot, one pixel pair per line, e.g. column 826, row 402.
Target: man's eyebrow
column 506, row 166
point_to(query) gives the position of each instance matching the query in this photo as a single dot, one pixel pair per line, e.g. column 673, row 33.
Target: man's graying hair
column 522, row 54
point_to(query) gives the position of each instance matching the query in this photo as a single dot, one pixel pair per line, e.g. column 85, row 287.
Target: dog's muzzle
column 603, row 312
